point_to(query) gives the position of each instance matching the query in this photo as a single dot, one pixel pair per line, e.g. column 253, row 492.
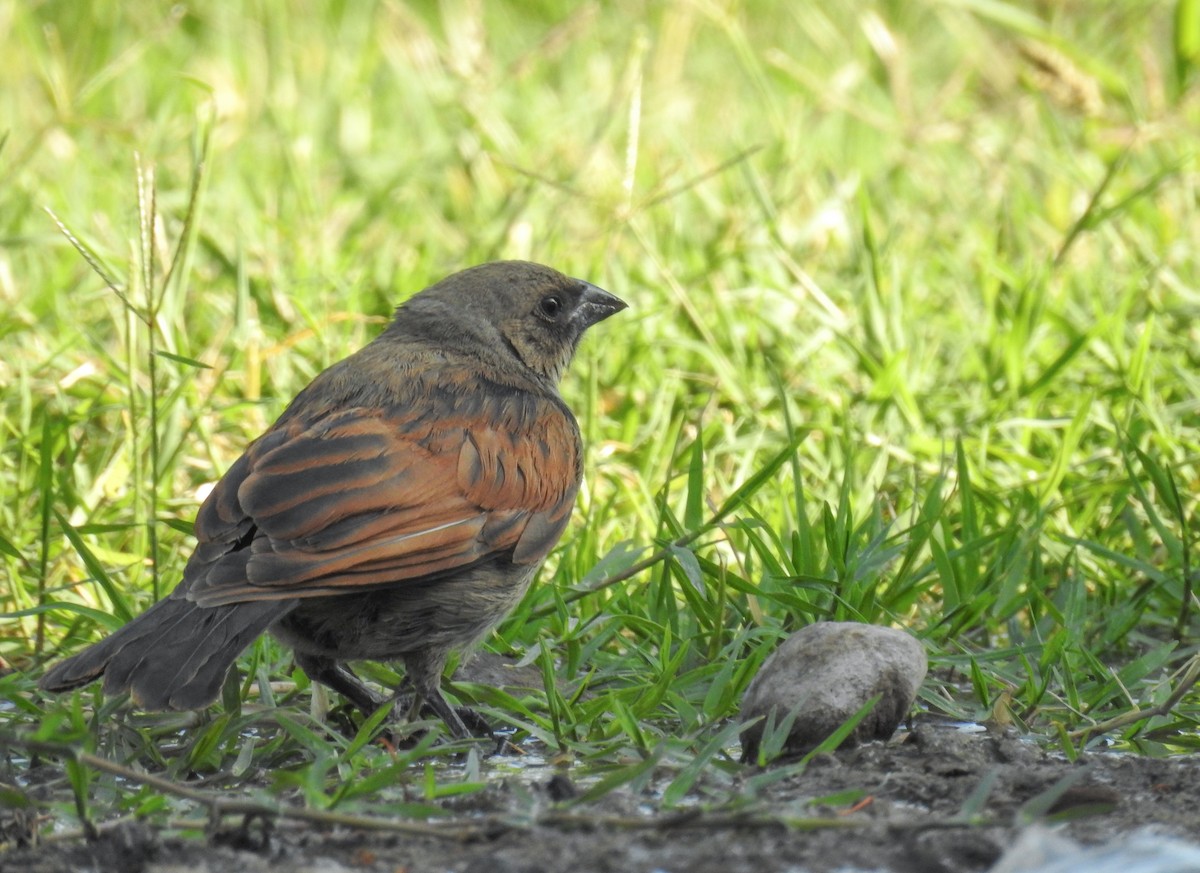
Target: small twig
column 83, row 834
column 693, row 819
column 1191, row 673
column 220, row 805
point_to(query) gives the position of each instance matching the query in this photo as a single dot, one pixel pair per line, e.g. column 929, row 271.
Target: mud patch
column 934, row 799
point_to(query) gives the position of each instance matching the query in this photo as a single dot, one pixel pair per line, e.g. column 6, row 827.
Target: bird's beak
column 596, row 304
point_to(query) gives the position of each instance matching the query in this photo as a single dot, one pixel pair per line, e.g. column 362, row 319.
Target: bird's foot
column 461, row 721
column 475, row 724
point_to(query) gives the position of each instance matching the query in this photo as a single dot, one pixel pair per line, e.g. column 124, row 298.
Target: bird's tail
column 175, row 655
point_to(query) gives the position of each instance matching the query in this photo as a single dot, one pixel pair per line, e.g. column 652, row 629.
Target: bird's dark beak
column 596, row 304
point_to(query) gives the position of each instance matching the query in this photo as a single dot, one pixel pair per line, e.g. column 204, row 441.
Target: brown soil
column 921, row 802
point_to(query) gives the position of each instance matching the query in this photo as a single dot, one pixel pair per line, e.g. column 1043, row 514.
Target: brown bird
column 397, row 510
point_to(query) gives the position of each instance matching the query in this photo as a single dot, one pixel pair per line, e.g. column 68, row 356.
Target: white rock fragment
column 1041, row 850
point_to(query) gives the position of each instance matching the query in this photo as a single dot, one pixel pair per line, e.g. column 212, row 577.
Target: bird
column 397, row 510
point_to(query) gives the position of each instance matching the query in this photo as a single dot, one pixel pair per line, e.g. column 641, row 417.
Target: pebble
column 825, row 673
column 1041, row 850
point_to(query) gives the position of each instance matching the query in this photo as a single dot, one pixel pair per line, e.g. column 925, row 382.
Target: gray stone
column 826, row 672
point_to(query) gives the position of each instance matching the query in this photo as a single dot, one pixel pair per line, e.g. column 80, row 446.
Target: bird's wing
column 363, row 498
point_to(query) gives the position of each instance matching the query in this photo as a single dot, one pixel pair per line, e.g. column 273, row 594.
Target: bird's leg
column 342, row 680
column 423, row 672
column 453, row 721
column 462, row 721
column 402, row 691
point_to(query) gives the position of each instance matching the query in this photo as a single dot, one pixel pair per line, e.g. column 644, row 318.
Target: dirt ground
column 920, row 790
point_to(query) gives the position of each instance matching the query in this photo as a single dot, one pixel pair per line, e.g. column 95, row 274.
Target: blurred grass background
column 931, row 265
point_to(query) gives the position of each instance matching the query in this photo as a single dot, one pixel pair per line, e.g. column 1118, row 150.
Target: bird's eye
column 549, row 307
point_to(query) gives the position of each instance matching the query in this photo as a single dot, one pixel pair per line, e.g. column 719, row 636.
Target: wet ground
column 933, row 799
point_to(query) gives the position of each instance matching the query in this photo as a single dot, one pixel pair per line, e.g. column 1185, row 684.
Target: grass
column 912, row 341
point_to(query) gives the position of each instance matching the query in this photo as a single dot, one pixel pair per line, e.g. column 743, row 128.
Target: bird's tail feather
column 175, row 655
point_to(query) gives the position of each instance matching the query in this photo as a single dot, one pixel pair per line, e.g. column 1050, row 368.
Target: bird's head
column 513, row 308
